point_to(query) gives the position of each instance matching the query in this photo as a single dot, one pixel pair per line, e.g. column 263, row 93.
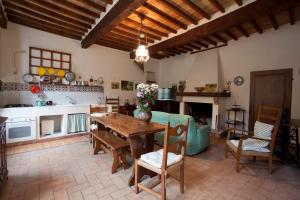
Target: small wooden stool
column 110, row 143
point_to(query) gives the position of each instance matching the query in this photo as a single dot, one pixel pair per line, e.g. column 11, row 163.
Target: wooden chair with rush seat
column 95, row 110
column 261, row 142
column 164, row 160
column 114, row 102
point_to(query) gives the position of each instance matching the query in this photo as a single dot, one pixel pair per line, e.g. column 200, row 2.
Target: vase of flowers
column 146, row 95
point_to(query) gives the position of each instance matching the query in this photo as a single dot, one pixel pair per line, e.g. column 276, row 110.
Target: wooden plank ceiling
column 73, row 18
column 69, row 18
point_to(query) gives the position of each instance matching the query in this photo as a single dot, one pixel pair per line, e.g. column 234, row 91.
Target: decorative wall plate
column 238, row 80
column 61, row 73
column 27, row 78
column 41, row 71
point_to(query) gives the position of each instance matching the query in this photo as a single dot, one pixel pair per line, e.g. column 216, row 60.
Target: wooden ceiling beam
column 110, row 41
column 197, row 9
column 120, row 11
column 3, row 21
column 273, row 21
column 231, row 35
column 118, row 41
column 210, row 41
column 193, row 46
column 93, row 5
column 157, row 23
column 179, row 11
column 107, row 1
column 220, row 38
column 125, row 36
column 256, row 26
column 242, row 30
column 119, row 47
column 216, row 47
column 292, row 15
column 181, row 50
column 217, row 5
column 136, row 30
column 147, row 28
column 15, row 8
column 77, row 8
column 43, row 27
column 238, row 2
column 61, row 10
column 41, row 22
column 174, row 51
column 201, row 44
column 185, row 47
column 239, row 16
column 42, row 10
column 130, row 33
column 164, row 15
column 124, row 39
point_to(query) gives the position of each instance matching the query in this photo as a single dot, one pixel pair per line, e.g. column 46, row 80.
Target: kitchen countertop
column 46, row 110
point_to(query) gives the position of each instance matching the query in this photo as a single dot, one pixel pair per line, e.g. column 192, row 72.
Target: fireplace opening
column 201, row 112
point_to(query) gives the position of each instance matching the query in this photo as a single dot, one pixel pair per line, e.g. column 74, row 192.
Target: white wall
column 111, row 64
column 271, row 50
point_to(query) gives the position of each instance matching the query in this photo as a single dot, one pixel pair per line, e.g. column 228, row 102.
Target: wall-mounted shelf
column 13, row 86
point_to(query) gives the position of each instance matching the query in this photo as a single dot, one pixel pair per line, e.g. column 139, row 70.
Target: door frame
column 288, row 93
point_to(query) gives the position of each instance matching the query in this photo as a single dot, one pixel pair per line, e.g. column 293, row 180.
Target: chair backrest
column 97, row 109
column 114, row 102
column 174, row 141
column 270, row 115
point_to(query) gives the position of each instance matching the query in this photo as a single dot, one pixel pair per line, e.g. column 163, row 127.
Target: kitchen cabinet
column 3, row 160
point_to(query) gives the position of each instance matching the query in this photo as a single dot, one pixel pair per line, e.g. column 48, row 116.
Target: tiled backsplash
column 13, row 86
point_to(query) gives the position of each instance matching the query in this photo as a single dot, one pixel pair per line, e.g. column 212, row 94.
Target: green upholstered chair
column 198, row 137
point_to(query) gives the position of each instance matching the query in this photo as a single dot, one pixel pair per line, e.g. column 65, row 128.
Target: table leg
column 140, row 145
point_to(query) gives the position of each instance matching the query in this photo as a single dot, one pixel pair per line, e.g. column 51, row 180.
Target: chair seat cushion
column 155, row 158
column 251, row 144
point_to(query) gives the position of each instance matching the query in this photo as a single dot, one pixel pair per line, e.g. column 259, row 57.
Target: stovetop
column 17, row 105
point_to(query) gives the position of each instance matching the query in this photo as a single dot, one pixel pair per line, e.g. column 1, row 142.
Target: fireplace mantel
column 202, row 94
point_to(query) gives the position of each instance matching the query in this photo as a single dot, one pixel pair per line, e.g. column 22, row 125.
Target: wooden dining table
column 140, row 135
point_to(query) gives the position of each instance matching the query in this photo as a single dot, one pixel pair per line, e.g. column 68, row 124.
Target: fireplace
column 201, row 112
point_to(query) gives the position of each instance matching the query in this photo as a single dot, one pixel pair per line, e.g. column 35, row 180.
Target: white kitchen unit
column 59, row 113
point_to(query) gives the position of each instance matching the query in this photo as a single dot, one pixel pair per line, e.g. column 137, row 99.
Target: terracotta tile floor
column 71, row 171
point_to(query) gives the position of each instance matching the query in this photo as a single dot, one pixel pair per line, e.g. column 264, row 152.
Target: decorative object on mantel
column 211, row 87
column 199, row 89
column 44, row 62
column 238, row 80
column 27, row 78
column 181, row 86
column 146, row 95
column 227, row 88
column 13, row 86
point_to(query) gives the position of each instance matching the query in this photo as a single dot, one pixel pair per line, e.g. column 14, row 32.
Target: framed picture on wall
column 127, row 85
column 115, row 85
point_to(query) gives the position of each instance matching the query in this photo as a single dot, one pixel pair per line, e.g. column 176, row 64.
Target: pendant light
column 142, row 53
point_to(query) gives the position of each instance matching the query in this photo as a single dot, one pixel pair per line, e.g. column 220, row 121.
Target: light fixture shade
column 141, row 54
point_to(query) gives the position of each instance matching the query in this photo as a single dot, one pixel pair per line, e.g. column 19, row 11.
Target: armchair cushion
column 155, row 158
column 251, row 144
column 263, row 130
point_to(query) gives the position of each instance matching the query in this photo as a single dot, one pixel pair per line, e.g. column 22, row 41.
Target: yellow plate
column 51, row 71
column 61, row 73
column 41, row 71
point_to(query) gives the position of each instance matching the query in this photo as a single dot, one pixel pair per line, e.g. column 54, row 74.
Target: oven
column 20, row 129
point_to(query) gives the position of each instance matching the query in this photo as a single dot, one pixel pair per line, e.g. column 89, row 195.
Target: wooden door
column 273, row 88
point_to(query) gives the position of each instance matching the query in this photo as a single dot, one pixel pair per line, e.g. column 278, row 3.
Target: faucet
column 71, row 100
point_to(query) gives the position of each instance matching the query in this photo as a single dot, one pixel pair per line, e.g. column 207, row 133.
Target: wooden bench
column 106, row 141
